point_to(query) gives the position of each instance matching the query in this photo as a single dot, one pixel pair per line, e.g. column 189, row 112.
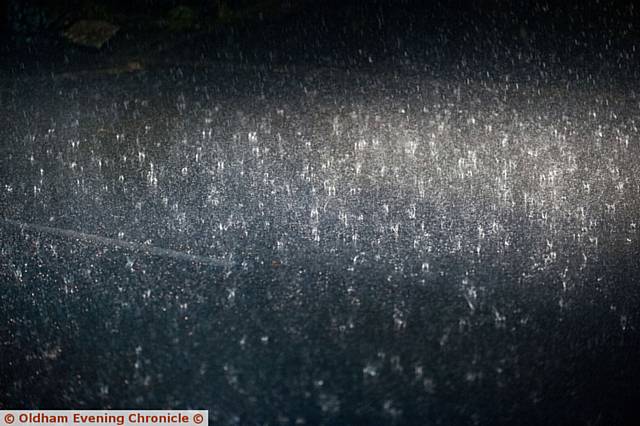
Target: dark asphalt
column 384, row 217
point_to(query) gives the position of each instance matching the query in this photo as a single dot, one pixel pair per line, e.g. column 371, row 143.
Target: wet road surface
column 321, row 236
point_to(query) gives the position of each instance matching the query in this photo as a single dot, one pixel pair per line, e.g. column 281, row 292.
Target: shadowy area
column 554, row 37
